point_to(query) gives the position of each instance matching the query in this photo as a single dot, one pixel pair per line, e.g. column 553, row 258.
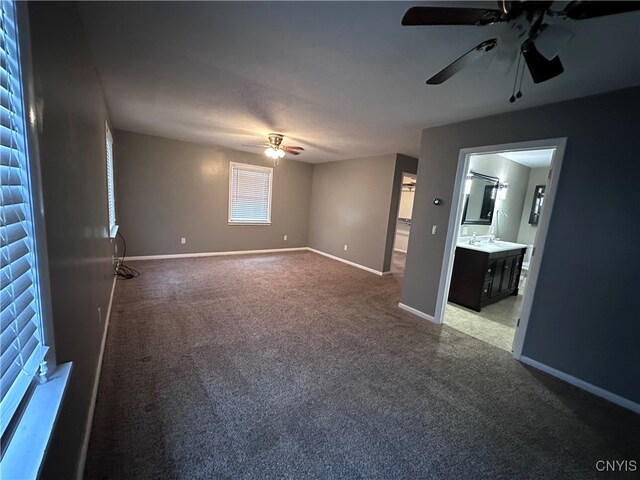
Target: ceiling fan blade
column 465, row 60
column 540, row 67
column 451, row 16
column 586, row 10
column 293, row 150
column 263, row 145
column 293, row 147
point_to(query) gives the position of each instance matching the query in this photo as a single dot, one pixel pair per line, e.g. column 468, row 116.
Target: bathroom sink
column 497, row 246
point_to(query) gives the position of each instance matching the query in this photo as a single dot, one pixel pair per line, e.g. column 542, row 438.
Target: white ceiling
column 344, row 80
column 530, row 158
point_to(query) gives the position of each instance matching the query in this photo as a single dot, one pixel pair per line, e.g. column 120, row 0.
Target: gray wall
column 168, row 189
column 527, row 233
column 72, row 157
column 584, row 319
column 517, row 176
column 350, row 204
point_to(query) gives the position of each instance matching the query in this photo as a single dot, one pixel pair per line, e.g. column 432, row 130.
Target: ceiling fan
column 528, row 33
column 275, row 149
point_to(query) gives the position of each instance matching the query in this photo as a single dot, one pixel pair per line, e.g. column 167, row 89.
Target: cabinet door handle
column 506, row 266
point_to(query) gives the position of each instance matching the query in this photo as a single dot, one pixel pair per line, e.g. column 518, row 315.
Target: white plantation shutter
column 111, row 197
column 249, row 193
column 21, row 339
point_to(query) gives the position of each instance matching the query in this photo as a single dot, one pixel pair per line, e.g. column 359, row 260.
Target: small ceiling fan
column 528, row 33
column 275, row 149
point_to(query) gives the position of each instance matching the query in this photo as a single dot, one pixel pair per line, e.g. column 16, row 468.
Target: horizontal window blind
column 111, row 197
column 250, row 193
column 21, row 341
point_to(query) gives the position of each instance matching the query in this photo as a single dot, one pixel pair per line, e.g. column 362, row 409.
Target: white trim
column 417, row 313
column 87, row 428
column 33, row 434
column 254, row 252
column 455, row 216
column 400, row 250
column 353, row 264
column 589, row 387
column 214, row 254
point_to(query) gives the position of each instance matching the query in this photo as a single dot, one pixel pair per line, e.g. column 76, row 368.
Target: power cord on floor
column 121, row 269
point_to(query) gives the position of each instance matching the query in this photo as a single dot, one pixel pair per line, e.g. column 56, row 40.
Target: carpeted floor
column 297, row 366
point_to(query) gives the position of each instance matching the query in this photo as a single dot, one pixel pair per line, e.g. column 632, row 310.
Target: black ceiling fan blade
column 586, row 10
column 540, row 67
column 451, row 16
column 465, row 60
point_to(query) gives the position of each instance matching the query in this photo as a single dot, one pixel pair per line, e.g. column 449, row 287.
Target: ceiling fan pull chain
column 515, row 82
column 519, row 94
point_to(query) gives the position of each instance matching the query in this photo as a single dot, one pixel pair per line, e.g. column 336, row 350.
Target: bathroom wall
column 517, row 176
column 527, row 233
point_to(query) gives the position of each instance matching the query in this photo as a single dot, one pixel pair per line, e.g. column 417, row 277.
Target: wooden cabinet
column 481, row 278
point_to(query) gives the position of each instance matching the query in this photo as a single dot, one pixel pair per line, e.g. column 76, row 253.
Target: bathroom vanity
column 484, row 273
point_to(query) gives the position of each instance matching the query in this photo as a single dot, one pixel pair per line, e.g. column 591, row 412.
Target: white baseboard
column 87, row 429
column 253, row 252
column 417, row 313
column 214, row 254
column 600, row 392
column 353, row 264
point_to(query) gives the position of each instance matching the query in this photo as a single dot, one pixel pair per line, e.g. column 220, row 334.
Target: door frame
column 455, row 216
column 395, row 222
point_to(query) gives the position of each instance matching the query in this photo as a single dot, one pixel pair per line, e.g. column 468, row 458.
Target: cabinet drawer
column 489, row 272
column 486, row 290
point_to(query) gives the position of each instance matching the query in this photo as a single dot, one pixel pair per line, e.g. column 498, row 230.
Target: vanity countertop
column 498, row 246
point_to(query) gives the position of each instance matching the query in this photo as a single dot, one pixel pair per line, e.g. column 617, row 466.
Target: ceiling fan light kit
column 275, row 150
column 528, row 35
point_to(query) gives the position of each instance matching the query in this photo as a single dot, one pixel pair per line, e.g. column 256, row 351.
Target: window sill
column 249, row 223
column 25, row 453
column 114, row 231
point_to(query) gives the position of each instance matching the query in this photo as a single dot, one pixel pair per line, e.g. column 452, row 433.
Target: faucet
column 473, row 240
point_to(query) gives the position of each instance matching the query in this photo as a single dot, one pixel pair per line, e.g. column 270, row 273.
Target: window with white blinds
column 111, row 197
column 249, row 194
column 21, row 337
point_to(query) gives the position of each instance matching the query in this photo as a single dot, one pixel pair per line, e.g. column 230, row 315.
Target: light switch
column 433, row 229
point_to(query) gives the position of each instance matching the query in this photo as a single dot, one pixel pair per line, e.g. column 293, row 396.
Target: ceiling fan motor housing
column 275, row 139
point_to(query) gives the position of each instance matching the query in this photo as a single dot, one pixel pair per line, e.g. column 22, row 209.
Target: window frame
column 34, row 421
column 112, row 223
column 258, row 168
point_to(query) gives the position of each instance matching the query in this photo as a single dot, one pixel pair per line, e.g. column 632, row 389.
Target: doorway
column 502, row 203
column 403, row 225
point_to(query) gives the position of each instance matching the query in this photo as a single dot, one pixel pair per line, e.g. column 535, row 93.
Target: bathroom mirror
column 536, row 206
column 481, row 191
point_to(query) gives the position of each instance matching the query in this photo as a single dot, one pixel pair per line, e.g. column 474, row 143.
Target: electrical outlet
column 183, row 240
column 346, row 247
column 285, row 237
column 100, row 315
column 434, row 228
column 465, row 230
